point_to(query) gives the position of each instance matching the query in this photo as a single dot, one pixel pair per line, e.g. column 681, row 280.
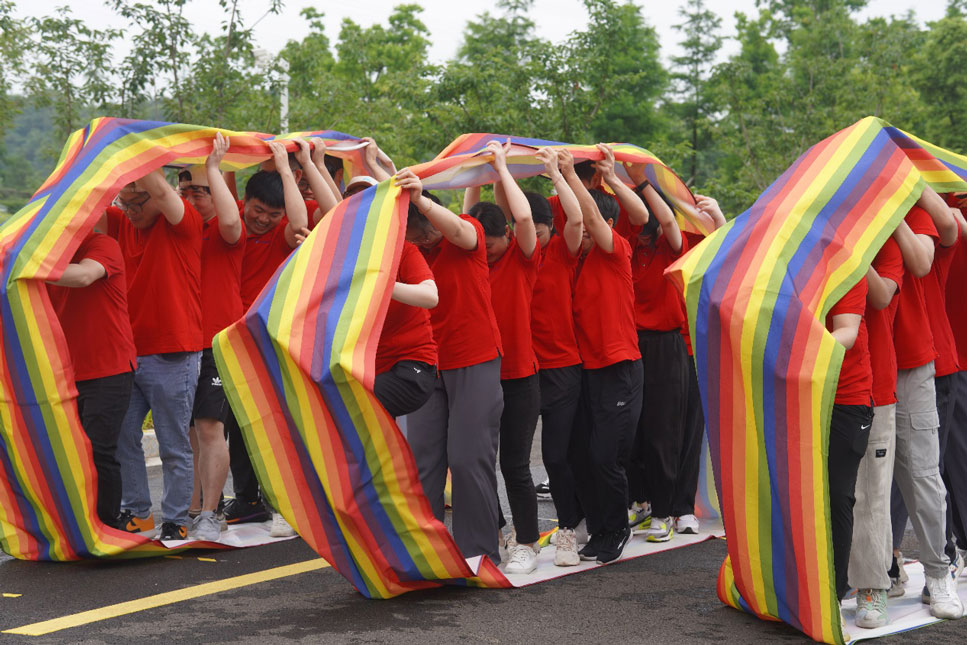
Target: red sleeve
column 888, row 263
column 104, row 250
column 921, row 223
column 477, row 226
column 190, row 223
column 622, row 248
column 854, row 302
column 114, row 216
column 413, row 267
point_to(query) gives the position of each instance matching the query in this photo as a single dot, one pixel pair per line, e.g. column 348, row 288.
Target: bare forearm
column 295, row 208
column 946, row 225
column 634, row 207
column 226, row 210
column 422, row 295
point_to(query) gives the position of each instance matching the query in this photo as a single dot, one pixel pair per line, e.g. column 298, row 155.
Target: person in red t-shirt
column 223, row 245
column 91, row 302
column 513, row 259
column 160, row 238
column 849, row 430
column 275, row 215
column 612, row 379
column 406, row 357
column 458, row 427
column 871, row 550
column 556, row 348
column 917, row 467
column 653, row 468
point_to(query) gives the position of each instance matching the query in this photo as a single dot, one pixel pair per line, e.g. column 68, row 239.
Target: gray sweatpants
column 872, row 552
column 917, row 469
column 458, row 427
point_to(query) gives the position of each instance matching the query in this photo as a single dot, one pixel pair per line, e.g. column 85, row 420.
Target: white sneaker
column 280, row 528
column 523, row 559
column 687, row 524
column 660, row 529
column 904, row 578
column 566, row 549
column 580, row 534
column 897, row 590
column 944, row 601
column 957, row 566
column 206, row 527
column 871, row 611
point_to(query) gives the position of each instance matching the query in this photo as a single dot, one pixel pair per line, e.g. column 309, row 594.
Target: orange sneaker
column 134, row 524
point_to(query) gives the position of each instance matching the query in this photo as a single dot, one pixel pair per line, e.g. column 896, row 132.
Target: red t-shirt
column 956, row 302
column 855, row 386
column 604, row 306
column 512, row 279
column 658, row 303
column 263, row 255
column 163, row 267
column 912, row 337
column 879, row 325
column 552, row 317
column 407, row 334
column 95, row 318
column 934, row 287
column 221, row 277
column 464, row 325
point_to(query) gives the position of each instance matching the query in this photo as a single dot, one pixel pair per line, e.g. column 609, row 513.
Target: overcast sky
column 444, row 18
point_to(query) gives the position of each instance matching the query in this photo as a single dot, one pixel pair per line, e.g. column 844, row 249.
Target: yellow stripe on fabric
column 167, row 598
column 826, row 355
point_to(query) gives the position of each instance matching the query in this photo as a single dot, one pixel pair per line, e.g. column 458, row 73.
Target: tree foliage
column 800, row 70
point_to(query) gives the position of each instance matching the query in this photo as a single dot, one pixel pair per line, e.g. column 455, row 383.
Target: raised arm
column 320, row 189
column 422, row 295
column 319, row 161
column 471, row 196
column 879, row 290
column 295, row 206
column 917, row 250
column 637, row 213
column 845, row 329
column 597, row 228
column 226, row 210
column 81, row 274
column 946, row 225
column 520, row 208
column 374, row 157
column 171, row 205
column 573, row 225
column 710, row 207
column 458, row 231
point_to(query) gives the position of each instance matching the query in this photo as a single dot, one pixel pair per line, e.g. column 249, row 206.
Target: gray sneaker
column 207, row 527
column 871, row 608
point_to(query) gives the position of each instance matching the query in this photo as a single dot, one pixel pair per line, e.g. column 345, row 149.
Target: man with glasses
column 160, row 235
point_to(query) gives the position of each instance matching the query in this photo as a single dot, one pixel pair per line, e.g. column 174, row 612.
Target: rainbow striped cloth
column 46, row 469
column 757, row 293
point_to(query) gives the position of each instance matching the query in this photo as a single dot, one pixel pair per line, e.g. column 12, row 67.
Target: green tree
column 942, row 79
column 14, row 39
column 700, row 46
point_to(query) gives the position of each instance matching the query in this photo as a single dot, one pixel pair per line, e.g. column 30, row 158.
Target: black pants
column 954, row 459
column 948, row 392
column 610, row 405
column 518, row 421
column 849, row 433
column 405, row 387
column 560, row 391
column 245, row 484
column 689, row 466
column 660, row 437
column 101, row 405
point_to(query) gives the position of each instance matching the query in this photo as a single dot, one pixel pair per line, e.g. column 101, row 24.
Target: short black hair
column 266, row 186
column 584, row 169
column 416, row 219
column 491, row 217
column 607, row 205
column 540, row 209
column 333, row 164
column 184, row 175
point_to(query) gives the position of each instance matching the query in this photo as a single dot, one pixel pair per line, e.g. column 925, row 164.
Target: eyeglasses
column 131, row 207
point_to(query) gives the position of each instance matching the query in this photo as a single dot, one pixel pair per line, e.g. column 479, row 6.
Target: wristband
column 640, row 187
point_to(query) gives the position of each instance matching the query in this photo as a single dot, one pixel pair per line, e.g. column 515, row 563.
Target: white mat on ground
column 906, row 613
column 636, row 548
column 237, row 536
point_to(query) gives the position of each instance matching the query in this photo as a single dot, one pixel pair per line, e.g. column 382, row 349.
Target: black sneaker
column 239, row 511
column 172, row 531
column 591, row 549
column 613, row 544
column 543, row 489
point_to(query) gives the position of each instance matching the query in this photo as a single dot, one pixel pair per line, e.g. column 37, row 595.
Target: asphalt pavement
column 666, row 598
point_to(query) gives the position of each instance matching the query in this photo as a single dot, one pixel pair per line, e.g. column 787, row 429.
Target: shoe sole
column 687, row 532
column 544, row 496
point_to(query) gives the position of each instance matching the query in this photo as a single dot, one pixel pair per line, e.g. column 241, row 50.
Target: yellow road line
column 167, row 598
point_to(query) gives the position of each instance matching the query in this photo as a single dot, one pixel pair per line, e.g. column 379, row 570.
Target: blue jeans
column 164, row 384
